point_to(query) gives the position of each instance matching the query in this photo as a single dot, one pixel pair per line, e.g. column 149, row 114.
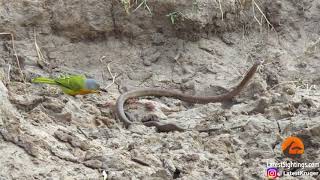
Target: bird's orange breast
column 82, row 92
column 86, row 91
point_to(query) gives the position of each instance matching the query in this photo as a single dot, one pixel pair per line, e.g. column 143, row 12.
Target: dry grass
column 255, row 5
column 126, row 5
column 136, row 4
column 220, row 6
column 144, row 4
column 41, row 60
column 9, row 70
column 15, row 55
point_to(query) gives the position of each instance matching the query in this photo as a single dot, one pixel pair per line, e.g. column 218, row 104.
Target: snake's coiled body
column 178, row 95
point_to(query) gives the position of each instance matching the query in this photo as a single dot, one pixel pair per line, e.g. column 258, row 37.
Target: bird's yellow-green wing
column 44, row 80
column 72, row 85
column 75, row 82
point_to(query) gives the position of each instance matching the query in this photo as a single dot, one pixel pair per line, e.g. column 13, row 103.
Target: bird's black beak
column 103, row 90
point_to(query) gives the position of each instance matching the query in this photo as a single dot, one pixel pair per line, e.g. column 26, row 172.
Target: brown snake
column 178, row 95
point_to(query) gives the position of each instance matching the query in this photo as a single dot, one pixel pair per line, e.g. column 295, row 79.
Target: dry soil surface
column 200, row 47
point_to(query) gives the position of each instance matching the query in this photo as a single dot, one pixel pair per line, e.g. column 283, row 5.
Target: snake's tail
column 44, row 80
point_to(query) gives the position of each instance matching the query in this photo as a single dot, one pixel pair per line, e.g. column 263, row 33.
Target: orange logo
column 292, row 147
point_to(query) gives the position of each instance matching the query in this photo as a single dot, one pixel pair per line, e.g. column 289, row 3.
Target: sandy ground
column 183, row 45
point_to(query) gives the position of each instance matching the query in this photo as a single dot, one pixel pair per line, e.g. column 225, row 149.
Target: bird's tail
column 44, row 80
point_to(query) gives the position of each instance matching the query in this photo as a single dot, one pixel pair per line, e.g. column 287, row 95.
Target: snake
column 157, row 92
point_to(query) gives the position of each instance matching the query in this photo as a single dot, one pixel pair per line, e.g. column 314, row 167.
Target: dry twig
column 113, row 76
column 139, row 161
column 285, row 82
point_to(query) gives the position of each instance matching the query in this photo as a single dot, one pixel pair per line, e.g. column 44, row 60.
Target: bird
column 72, row 85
